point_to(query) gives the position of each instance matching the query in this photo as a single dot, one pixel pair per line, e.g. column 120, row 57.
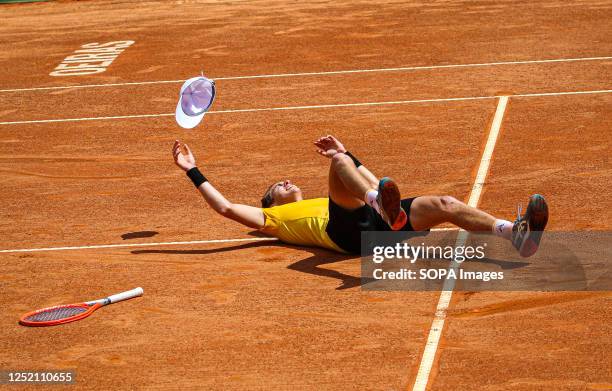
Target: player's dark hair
column 267, row 200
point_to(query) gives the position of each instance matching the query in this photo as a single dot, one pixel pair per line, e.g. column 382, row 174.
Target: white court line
column 44, row 121
column 364, row 104
column 561, row 93
column 158, row 244
column 435, row 332
column 251, row 110
column 30, row 250
column 397, row 69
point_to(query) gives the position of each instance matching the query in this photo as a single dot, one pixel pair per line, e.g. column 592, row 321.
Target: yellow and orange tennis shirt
column 302, row 223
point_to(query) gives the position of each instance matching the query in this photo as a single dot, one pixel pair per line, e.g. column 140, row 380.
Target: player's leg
column 428, row 211
column 347, row 186
column 356, row 190
column 368, row 176
column 348, row 214
column 525, row 233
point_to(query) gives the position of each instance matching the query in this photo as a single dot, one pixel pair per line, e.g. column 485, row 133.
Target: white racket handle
column 125, row 295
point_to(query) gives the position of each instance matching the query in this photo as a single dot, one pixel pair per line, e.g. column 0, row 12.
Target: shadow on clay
column 138, row 235
column 310, row 265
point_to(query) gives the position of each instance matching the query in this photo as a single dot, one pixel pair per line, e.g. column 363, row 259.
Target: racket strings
column 55, row 314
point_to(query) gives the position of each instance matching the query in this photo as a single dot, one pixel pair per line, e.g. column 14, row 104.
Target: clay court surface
column 257, row 314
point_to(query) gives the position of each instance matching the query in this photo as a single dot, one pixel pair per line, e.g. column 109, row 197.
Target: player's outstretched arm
column 248, row 215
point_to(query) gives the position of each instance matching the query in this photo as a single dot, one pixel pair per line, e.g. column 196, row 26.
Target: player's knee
column 446, row 205
column 340, row 159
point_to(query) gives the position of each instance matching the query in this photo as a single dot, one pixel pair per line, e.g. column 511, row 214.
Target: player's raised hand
column 185, row 161
column 328, row 146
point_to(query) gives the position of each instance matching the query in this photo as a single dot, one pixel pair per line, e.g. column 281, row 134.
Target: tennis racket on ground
column 66, row 313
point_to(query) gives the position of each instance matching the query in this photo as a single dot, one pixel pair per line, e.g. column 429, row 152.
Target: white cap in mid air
column 196, row 96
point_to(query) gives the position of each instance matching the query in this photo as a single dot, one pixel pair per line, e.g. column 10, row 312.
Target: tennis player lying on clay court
column 358, row 202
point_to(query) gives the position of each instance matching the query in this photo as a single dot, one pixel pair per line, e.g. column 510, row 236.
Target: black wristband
column 353, row 158
column 196, row 177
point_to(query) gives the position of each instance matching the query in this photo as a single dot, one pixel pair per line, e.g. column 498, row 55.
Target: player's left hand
column 184, row 161
column 328, row 146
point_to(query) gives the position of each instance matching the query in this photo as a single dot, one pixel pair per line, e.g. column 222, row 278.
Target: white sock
column 503, row 229
column 370, row 199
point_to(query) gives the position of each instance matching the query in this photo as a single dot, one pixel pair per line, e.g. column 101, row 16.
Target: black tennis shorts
column 345, row 226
